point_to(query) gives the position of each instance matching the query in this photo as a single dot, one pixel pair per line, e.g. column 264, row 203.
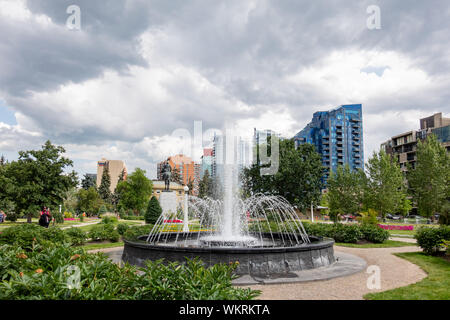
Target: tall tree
column 135, row 191
column 104, row 190
column 205, row 186
column 429, row 181
column 116, row 194
column 345, row 191
column 298, row 178
column 37, row 179
column 88, row 181
column 386, row 191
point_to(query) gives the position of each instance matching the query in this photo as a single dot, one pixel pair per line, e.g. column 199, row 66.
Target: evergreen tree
column 88, row 181
column 115, row 198
column 153, row 212
column 105, row 185
column 176, row 176
column 205, row 186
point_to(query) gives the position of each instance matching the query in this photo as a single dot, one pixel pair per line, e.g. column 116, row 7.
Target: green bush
column 27, row 235
column 132, row 218
column 102, row 210
column 100, row 232
column 109, row 219
column 122, row 227
column 374, row 233
column 346, row 233
column 114, row 236
column 431, row 240
column 44, row 273
column 76, row 235
column 133, row 233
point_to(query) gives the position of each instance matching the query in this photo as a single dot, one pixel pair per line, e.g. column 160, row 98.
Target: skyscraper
column 206, row 162
column 338, row 136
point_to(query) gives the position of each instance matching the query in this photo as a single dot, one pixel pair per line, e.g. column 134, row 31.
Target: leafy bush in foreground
column 44, row 274
column 77, row 236
column 374, row 233
column 28, row 235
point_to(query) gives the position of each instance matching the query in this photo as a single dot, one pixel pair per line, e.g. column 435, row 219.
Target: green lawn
column 92, row 246
column 436, row 286
column 386, row 244
column 129, row 222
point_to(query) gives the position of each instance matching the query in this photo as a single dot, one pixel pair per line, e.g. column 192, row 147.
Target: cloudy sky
column 138, row 70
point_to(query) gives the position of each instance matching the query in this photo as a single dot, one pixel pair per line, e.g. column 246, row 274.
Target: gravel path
column 410, row 240
column 394, row 271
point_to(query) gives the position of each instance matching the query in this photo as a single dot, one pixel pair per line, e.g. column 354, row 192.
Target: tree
column 190, row 185
column 386, row 190
column 298, row 178
column 3, row 161
column 89, row 201
column 205, row 186
column 104, row 190
column 153, row 211
column 135, row 191
column 175, row 176
column 345, row 191
column 37, row 179
column 88, row 181
column 429, row 181
column 115, row 198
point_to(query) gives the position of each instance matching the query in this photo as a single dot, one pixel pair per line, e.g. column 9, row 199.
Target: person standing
column 2, row 216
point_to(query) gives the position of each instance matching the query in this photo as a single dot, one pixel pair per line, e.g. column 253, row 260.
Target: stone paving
column 394, row 271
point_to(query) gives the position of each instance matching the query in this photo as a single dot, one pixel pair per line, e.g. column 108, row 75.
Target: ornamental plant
column 431, row 239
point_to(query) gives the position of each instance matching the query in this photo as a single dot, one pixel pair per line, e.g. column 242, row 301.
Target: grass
column 129, row 222
column 386, row 244
column 93, row 246
column 436, row 286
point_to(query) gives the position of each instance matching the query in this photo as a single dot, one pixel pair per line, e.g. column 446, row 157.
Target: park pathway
column 394, row 271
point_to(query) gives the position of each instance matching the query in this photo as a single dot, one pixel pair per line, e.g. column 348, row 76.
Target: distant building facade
column 404, row 146
column 338, row 137
column 187, row 168
column 206, row 162
column 115, row 168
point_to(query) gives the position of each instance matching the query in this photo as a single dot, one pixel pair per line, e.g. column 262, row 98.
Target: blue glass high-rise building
column 338, row 136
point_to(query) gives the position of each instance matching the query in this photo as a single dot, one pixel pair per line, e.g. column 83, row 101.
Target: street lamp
column 185, row 220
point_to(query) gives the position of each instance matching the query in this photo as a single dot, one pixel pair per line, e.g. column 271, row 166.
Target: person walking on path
column 2, row 216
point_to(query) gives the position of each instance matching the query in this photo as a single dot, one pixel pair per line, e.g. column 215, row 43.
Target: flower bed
column 173, row 221
column 393, row 227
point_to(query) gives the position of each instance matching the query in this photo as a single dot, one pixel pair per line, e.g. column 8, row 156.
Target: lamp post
column 186, row 218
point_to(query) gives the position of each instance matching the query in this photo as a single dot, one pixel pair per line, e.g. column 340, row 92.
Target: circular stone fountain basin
column 260, row 261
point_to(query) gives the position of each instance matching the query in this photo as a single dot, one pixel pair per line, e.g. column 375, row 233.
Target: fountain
column 262, row 233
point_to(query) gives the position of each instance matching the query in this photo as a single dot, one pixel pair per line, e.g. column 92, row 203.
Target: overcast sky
column 137, row 70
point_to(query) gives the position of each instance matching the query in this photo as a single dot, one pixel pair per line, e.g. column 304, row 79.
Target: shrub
column 76, row 235
column 431, row 239
column 153, row 211
column 68, row 214
column 374, row 233
column 114, row 236
column 346, row 233
column 101, row 232
column 369, row 217
column 27, row 235
column 122, row 227
column 43, row 274
column 109, row 219
column 133, row 233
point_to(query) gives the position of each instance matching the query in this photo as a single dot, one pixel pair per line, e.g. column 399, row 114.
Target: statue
column 166, row 174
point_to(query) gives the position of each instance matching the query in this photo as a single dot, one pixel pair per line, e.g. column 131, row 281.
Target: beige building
column 159, row 186
column 115, row 168
column 404, row 146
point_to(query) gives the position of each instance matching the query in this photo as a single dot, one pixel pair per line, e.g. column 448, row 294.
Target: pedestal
column 168, row 203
